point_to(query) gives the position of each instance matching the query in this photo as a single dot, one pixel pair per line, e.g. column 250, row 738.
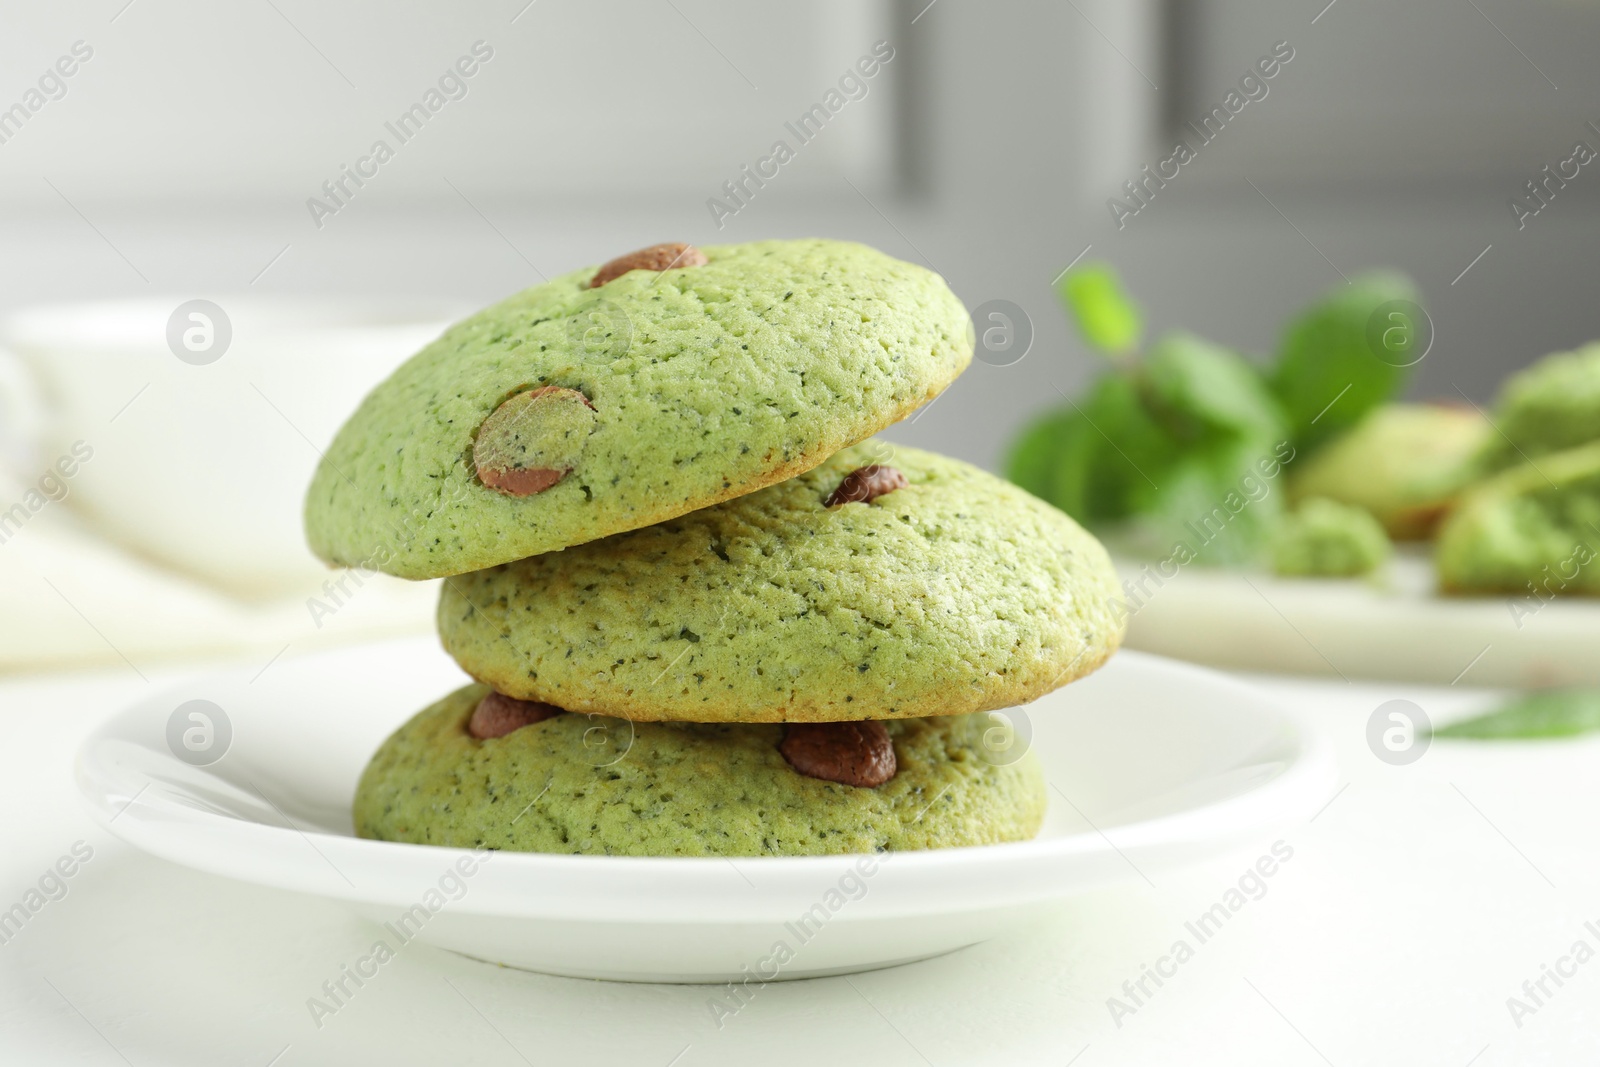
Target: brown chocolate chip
column 520, row 482
column 851, row 753
column 866, row 484
column 497, row 715
column 533, row 440
column 657, row 257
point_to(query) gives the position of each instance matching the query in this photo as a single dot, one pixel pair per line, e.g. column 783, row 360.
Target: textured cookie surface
column 955, row 594
column 706, row 383
column 604, row 786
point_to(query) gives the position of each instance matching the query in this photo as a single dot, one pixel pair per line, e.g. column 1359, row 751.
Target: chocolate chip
column 850, row 753
column 866, row 484
column 657, row 257
column 520, row 482
column 533, row 440
column 497, row 715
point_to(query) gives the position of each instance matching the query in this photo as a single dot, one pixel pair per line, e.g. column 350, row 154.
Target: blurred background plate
column 1399, row 629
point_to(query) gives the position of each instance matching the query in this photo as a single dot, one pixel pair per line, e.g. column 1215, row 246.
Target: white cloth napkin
column 72, row 598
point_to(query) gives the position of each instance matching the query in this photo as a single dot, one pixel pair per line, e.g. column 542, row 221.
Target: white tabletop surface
column 1414, row 905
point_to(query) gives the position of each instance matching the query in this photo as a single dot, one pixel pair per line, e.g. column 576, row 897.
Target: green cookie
column 1404, row 463
column 1533, row 530
column 958, row 593
column 667, row 391
column 1548, row 407
column 602, row 786
column 1323, row 538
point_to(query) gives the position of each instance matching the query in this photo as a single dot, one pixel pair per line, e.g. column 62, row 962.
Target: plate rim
column 706, row 889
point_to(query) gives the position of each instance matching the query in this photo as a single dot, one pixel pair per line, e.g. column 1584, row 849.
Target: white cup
column 202, row 421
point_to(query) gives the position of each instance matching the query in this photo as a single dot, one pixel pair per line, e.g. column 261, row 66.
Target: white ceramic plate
column 1397, row 628
column 1152, row 764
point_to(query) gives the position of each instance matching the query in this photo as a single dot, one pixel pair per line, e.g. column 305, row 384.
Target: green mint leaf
column 1552, row 713
column 1099, row 457
column 1218, row 504
column 1181, row 453
column 1220, row 498
column 1052, row 458
column 1107, row 318
column 1345, row 355
column 1197, row 387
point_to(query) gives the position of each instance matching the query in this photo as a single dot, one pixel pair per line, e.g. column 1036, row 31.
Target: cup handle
column 24, row 417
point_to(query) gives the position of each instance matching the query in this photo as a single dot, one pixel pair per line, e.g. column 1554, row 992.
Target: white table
column 1414, row 905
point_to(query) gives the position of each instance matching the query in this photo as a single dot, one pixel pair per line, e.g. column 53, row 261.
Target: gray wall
column 180, row 159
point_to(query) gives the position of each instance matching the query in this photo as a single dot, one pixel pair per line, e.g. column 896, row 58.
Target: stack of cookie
column 706, row 615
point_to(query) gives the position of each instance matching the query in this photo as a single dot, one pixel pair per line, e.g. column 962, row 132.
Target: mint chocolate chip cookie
column 609, row 399
column 883, row 584
column 590, row 784
column 1529, row 531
